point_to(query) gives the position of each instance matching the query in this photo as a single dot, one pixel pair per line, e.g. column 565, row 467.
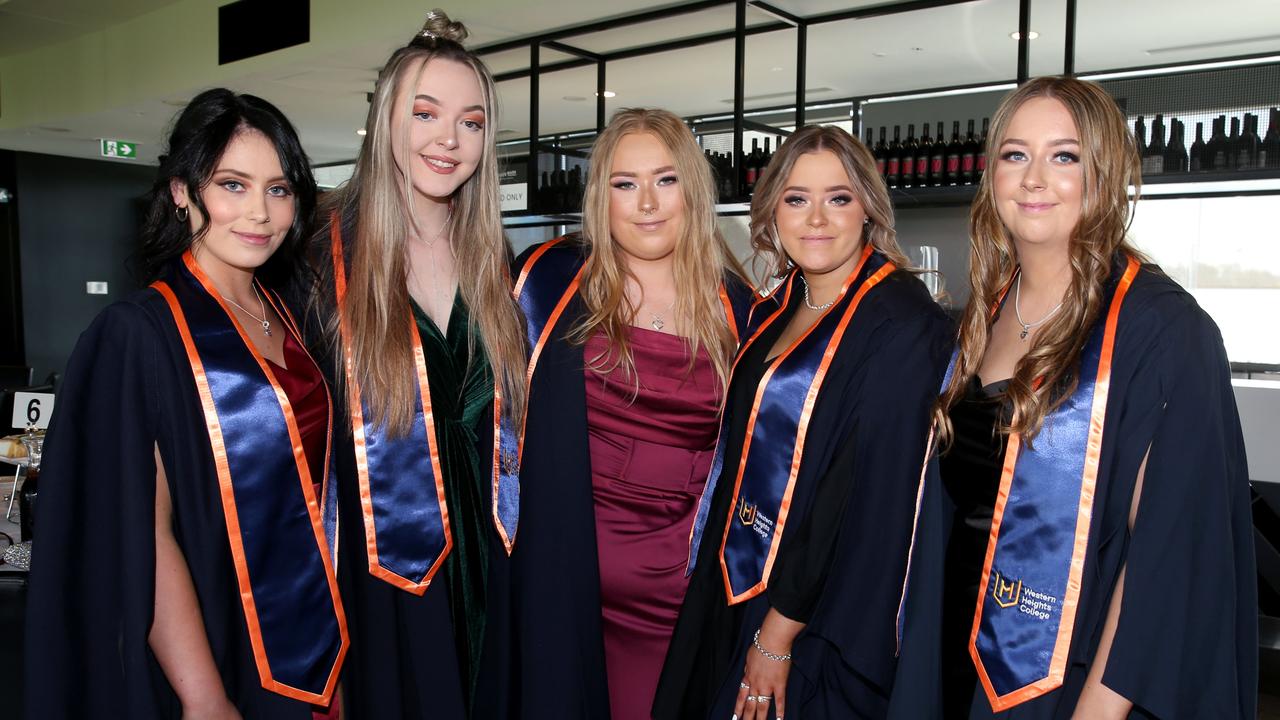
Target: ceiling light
column 576, row 98
column 879, row 54
column 608, row 94
column 361, row 132
column 1018, row 36
column 776, row 68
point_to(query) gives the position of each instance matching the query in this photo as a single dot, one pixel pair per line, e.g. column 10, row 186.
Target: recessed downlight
column 1015, row 35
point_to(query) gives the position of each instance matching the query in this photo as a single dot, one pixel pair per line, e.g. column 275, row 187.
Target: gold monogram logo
column 1007, row 593
column 746, row 513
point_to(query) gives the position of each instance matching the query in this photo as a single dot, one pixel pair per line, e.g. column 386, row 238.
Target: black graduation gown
column 553, row 665
column 1186, row 645
column 843, row 553
column 405, row 660
column 128, row 389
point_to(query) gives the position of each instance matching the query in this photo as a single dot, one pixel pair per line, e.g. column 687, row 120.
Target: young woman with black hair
column 184, row 566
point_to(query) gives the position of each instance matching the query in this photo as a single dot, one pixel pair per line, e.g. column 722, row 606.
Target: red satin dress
column 651, row 451
column 308, row 397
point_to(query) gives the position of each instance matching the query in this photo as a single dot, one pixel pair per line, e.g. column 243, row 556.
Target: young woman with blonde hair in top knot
column 1084, row 547
column 427, row 348
column 633, row 324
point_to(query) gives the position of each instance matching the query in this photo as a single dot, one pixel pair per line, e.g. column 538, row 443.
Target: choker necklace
column 1026, row 326
column 809, row 303
column 266, row 324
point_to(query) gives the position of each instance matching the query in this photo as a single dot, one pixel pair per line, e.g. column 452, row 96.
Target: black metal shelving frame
column 560, row 40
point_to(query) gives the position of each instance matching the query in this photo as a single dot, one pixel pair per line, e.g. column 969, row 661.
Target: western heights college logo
column 1011, row 592
column 749, row 515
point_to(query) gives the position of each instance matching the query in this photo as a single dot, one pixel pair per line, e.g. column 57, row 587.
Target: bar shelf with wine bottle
column 1169, row 154
column 932, row 161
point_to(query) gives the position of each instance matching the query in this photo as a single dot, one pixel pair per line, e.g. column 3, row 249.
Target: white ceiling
column 322, row 86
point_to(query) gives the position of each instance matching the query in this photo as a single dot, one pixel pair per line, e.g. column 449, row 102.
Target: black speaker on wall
column 248, row 28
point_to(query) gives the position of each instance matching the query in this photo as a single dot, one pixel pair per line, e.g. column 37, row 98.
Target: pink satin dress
column 651, row 451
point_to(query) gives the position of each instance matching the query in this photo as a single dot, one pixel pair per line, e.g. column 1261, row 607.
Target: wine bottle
column 1153, row 158
column 1196, row 156
column 1175, row 155
column 1217, row 147
column 27, row 502
column 881, row 153
column 938, row 159
column 766, row 156
column 1233, row 143
column 1269, row 152
column 981, row 162
column 968, row 156
column 893, row 159
column 907, row 168
column 1140, row 135
column 752, row 163
column 544, row 190
column 575, row 189
column 1247, row 149
column 923, row 150
column 954, row 150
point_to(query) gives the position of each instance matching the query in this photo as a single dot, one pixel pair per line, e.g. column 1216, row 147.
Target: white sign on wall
column 514, row 196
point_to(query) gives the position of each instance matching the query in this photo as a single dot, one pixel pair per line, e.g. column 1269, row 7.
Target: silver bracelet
column 776, row 658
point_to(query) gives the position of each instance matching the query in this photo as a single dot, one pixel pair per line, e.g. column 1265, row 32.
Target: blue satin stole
column 773, row 448
column 1030, row 589
column 278, row 529
column 406, row 520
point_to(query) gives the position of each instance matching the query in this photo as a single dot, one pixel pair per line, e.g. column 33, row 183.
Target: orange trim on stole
column 283, row 311
column 1084, row 516
column 802, row 430
column 227, row 496
column 357, row 426
column 728, row 311
column 536, row 351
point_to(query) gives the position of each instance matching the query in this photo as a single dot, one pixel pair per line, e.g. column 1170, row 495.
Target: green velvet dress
column 461, row 402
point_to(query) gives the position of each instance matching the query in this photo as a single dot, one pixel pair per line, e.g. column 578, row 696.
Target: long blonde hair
column 376, row 202
column 1046, row 376
column 859, row 165
column 701, row 255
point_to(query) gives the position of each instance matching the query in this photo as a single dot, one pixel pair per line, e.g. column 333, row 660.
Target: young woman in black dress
column 801, row 542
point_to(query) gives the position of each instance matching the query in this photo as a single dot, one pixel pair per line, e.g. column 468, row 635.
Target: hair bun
column 438, row 27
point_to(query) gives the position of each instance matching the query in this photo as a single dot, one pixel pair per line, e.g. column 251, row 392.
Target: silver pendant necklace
column 809, row 302
column 657, row 323
column 431, row 247
column 1026, row 326
column 266, row 324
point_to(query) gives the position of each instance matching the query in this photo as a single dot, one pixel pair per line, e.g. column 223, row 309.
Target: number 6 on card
column 32, row 409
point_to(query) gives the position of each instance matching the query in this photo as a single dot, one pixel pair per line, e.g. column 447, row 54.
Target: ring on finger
column 751, row 698
column 744, row 686
column 763, row 698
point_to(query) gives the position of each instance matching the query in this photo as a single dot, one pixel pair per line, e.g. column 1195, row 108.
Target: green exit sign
column 119, row 149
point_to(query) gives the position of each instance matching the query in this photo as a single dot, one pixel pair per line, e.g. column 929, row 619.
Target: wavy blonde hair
column 859, row 164
column 702, row 258
column 375, row 203
column 1047, row 375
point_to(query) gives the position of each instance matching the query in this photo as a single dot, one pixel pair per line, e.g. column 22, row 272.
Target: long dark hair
column 200, row 134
